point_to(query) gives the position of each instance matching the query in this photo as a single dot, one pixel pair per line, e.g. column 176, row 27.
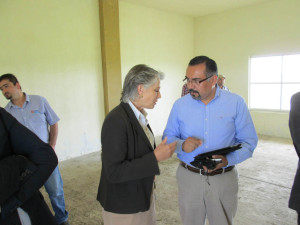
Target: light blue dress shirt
column 35, row 114
column 223, row 122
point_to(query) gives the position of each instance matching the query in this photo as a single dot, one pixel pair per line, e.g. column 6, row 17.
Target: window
column 273, row 80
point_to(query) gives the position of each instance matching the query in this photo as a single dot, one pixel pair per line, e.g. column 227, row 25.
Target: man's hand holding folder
column 210, row 160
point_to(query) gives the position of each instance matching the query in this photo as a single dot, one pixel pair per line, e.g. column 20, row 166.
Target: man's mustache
column 193, row 91
column 195, row 94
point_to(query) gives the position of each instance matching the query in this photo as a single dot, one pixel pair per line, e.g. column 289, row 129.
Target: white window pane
column 291, row 69
column 265, row 96
column 287, row 91
column 265, row 69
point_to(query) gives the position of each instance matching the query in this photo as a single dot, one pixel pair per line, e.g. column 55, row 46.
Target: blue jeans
column 54, row 188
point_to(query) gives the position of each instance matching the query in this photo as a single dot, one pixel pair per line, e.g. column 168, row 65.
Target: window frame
column 281, row 83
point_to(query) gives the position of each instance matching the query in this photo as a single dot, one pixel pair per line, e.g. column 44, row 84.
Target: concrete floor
column 264, row 187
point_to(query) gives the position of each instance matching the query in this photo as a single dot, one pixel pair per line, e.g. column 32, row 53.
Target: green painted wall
column 53, row 47
column 232, row 37
column 162, row 40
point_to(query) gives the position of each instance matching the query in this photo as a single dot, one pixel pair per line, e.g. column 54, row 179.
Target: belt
column 203, row 172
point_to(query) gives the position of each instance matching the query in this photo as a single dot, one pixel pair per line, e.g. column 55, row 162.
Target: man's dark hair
column 8, row 76
column 211, row 65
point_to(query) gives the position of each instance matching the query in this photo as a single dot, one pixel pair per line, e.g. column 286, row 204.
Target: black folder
column 205, row 159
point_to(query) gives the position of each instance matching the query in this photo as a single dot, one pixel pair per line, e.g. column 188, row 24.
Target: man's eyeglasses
column 195, row 80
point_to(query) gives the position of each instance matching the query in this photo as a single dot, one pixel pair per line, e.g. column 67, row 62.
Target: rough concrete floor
column 264, row 187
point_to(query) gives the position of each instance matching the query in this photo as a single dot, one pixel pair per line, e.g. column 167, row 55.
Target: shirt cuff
column 231, row 159
column 179, row 146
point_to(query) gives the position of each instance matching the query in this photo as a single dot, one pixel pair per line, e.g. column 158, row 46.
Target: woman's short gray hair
column 139, row 74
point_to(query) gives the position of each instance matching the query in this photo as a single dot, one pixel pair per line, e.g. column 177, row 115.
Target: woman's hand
column 164, row 151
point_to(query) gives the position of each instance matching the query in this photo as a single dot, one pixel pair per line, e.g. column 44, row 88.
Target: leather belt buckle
column 203, row 172
column 200, row 172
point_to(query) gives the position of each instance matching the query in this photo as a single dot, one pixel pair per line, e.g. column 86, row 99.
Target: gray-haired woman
column 129, row 155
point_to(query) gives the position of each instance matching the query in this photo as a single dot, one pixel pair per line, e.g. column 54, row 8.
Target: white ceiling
column 195, row 8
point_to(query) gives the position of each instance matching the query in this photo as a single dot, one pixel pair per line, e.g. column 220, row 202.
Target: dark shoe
column 65, row 223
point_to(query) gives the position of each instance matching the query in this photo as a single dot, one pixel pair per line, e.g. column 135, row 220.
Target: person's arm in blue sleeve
column 245, row 134
column 172, row 130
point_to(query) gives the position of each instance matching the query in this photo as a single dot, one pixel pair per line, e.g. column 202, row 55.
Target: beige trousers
column 141, row 218
column 212, row 196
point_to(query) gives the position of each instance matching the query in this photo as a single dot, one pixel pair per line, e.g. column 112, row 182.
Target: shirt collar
column 218, row 92
column 11, row 105
column 139, row 115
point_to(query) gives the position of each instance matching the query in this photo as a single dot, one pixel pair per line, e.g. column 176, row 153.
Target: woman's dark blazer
column 294, row 124
column 18, row 140
column 128, row 163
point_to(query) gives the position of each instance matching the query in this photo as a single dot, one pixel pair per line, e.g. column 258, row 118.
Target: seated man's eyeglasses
column 195, row 80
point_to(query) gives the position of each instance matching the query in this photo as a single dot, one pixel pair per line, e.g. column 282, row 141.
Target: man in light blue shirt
column 35, row 113
column 206, row 119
